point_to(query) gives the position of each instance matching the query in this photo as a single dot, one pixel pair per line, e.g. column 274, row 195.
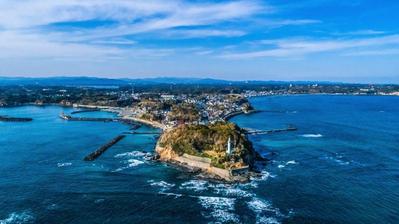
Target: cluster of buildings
column 172, row 110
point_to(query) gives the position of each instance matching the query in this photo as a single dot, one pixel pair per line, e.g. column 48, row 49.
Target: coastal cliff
column 206, row 148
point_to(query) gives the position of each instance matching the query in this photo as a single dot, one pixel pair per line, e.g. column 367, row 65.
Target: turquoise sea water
column 341, row 166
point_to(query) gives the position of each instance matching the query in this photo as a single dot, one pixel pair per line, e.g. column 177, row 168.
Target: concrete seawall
column 204, row 164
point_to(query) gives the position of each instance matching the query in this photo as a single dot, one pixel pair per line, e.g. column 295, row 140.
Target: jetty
column 270, row 131
column 142, row 133
column 15, row 119
column 228, row 116
column 85, row 111
column 70, row 118
column 94, row 155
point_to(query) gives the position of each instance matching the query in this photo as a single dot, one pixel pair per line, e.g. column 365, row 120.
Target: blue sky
column 350, row 41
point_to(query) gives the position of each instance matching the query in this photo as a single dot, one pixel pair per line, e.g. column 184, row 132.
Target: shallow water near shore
column 341, row 166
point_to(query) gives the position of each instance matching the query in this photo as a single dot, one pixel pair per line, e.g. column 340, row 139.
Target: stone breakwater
column 14, row 119
column 94, row 155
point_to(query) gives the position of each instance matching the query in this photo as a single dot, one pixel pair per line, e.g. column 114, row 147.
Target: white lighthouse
column 229, row 147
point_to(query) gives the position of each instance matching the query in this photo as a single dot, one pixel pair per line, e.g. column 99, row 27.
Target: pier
column 142, row 133
column 85, row 111
column 15, row 119
column 227, row 117
column 261, row 132
column 70, row 118
column 94, row 155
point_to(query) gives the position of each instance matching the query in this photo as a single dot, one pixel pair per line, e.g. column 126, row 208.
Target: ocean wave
column 130, row 163
column 52, row 207
column 98, row 201
column 264, row 211
column 231, row 190
column 171, row 194
column 195, row 185
column 219, row 208
column 133, row 154
column 18, row 218
column 254, row 181
column 291, row 162
column 63, row 164
column 338, row 160
column 163, row 185
column 312, row 135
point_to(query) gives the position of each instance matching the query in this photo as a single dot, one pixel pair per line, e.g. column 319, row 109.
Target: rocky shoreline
column 202, row 167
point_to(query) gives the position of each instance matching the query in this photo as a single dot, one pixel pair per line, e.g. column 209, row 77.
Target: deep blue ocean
column 341, row 166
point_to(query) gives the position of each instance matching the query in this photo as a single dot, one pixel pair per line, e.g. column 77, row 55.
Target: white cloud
column 360, row 33
column 25, row 30
column 301, row 47
column 31, row 46
column 200, row 33
column 379, row 52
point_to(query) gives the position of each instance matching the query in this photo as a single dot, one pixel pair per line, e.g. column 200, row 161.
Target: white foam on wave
column 175, row 195
column 133, row 154
column 195, row 185
column 130, row 163
column 337, row 160
column 312, row 135
column 98, row 201
column 63, row 164
column 264, row 175
column 18, row 218
column 230, row 190
column 291, row 162
column 163, row 185
column 264, row 211
column 220, row 208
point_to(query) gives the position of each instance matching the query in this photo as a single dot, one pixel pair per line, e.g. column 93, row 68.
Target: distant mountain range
column 94, row 81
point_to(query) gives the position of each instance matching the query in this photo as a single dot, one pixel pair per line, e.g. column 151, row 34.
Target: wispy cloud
column 33, row 28
column 302, row 47
column 379, row 52
column 360, row 33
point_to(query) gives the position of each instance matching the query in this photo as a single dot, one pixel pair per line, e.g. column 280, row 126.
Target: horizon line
column 195, row 78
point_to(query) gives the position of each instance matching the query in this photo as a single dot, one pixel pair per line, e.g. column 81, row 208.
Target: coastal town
column 193, row 119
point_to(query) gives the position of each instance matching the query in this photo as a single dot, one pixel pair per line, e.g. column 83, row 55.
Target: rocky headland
column 219, row 151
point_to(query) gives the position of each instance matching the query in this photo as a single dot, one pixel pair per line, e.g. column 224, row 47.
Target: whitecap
column 291, row 162
column 131, row 163
column 312, row 135
column 18, row 218
column 133, row 154
column 163, row 185
column 337, row 159
column 267, row 220
column 231, row 190
column 63, row 164
column 264, row 211
column 219, row 208
column 100, row 200
column 280, row 166
column 171, row 194
column 195, row 185
column 263, row 176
